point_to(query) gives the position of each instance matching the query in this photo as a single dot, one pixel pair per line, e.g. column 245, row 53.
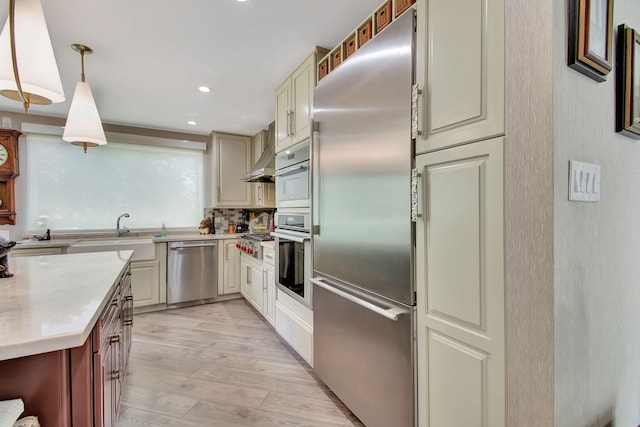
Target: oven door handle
column 291, row 169
column 292, row 235
column 392, row 313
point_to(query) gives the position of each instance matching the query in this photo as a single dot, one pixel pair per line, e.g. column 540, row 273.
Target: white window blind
column 69, row 190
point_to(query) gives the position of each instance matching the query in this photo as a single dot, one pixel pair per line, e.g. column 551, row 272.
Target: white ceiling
column 150, row 56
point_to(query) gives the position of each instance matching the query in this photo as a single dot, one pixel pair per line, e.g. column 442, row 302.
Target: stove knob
column 238, row 245
column 250, row 251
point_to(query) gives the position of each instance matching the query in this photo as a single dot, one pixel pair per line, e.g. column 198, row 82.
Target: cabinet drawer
column 268, row 256
column 107, row 326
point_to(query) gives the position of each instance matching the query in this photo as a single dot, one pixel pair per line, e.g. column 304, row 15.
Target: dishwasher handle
column 203, row 245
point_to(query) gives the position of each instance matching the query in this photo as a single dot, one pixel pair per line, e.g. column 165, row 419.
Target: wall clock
column 9, row 169
column 9, row 165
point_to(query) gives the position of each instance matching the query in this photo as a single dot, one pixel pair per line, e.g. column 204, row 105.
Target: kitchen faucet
column 124, row 229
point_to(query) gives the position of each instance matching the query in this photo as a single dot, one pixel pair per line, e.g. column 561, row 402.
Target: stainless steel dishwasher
column 192, row 273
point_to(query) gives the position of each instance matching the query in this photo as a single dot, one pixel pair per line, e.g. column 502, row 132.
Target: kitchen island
column 64, row 333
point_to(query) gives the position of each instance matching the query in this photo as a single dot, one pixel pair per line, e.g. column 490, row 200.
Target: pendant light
column 28, row 68
column 83, row 126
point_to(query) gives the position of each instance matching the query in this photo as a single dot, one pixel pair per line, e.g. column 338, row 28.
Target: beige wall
column 529, row 212
column 597, row 249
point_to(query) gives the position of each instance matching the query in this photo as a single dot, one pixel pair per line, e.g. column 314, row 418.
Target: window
column 67, row 189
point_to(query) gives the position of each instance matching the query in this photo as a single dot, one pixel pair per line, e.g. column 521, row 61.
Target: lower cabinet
column 269, row 286
column 77, row 386
column 460, row 304
column 258, row 285
column 111, row 347
column 145, row 278
column 251, row 281
column 229, row 267
column 149, row 280
column 294, row 323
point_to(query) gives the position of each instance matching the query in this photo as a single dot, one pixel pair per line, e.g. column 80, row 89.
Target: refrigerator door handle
column 392, row 313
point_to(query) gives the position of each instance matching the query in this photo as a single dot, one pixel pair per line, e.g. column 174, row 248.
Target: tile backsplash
column 226, row 217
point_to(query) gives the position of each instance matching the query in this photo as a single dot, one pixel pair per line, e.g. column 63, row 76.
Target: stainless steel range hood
column 264, row 168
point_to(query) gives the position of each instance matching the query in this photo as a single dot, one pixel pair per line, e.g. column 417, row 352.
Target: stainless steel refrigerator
column 363, row 237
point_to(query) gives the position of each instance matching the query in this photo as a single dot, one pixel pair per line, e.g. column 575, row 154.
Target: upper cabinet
column 232, row 157
column 460, row 71
column 264, row 193
column 294, row 102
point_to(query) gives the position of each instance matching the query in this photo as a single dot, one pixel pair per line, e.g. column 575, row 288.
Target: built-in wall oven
column 293, row 255
column 292, row 178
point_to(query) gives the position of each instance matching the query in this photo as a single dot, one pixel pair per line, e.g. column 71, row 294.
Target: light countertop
column 53, row 302
column 55, row 243
column 184, row 237
column 61, row 243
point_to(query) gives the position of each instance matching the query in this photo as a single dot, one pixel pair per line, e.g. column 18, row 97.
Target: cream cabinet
column 294, row 102
column 460, row 291
column 251, row 281
column 269, row 285
column 228, row 267
column 460, row 72
column 294, row 323
column 145, row 279
column 232, row 157
column 264, row 193
column 149, row 281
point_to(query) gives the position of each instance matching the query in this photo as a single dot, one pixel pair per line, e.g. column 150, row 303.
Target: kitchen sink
column 144, row 248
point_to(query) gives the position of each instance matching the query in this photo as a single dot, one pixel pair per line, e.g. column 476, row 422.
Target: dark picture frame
column 628, row 82
column 590, row 37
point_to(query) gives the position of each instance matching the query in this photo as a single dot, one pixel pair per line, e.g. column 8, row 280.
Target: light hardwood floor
column 221, row 365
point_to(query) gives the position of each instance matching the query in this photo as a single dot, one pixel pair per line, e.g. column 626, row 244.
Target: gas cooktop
column 251, row 244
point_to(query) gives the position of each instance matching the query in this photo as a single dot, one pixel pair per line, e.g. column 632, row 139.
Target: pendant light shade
column 36, row 63
column 83, row 126
column 83, row 122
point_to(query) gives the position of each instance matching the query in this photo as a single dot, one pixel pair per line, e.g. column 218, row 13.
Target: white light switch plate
column 6, row 122
column 584, row 182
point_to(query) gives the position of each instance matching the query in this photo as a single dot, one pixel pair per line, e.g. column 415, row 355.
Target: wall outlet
column 584, row 182
column 6, row 122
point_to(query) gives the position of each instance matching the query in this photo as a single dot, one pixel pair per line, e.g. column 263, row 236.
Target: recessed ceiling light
column 191, row 122
column 204, row 89
column 242, row 0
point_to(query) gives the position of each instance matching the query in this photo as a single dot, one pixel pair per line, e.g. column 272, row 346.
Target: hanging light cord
column 14, row 60
column 84, row 144
column 82, row 63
